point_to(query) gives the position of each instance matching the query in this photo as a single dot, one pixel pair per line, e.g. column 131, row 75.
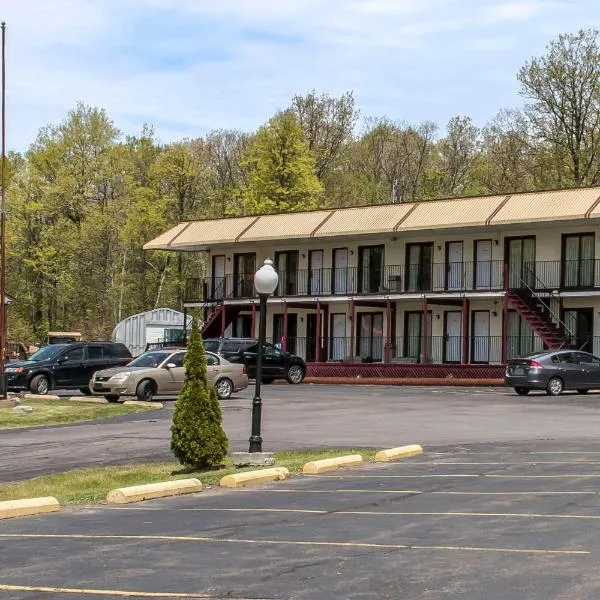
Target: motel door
column 338, row 337
column 480, row 343
column 218, row 277
column 483, row 264
column 315, row 259
column 454, row 265
column 340, row 271
column 520, row 256
column 452, row 337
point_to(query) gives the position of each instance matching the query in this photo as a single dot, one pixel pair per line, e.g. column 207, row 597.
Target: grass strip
column 89, row 486
column 60, row 412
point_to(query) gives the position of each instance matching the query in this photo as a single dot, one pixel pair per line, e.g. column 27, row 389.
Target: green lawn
column 57, row 412
column 91, row 485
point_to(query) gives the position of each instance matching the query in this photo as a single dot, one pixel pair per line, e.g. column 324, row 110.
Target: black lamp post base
column 255, row 443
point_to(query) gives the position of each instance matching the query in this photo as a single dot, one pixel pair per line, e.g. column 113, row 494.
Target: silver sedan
column 161, row 372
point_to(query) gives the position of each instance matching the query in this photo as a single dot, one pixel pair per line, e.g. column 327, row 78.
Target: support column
column 253, row 321
column 185, row 325
column 325, row 336
column 352, row 330
column 505, row 330
column 318, row 334
column 464, row 358
column 388, row 335
column 425, row 332
column 285, row 326
column 223, row 316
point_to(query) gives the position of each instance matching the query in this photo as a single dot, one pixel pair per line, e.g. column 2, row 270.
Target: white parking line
column 373, row 513
column 461, row 475
column 267, row 542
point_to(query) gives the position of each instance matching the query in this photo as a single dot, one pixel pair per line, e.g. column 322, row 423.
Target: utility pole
column 3, row 225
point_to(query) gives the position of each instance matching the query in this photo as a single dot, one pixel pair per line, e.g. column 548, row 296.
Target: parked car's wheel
column 267, row 380
column 39, row 385
column 295, row 374
column 145, row 391
column 85, row 391
column 522, row 391
column 583, row 391
column 112, row 397
column 224, row 388
column 555, row 386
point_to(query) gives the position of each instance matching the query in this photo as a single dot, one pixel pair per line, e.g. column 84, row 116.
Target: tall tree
column 328, row 125
column 564, row 89
column 281, row 175
column 457, row 152
column 225, row 151
column 393, row 158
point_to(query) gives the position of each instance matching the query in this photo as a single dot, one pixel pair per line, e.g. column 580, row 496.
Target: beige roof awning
column 559, row 205
column 451, row 213
column 461, row 212
column 162, row 241
column 198, row 235
column 364, row 220
column 285, row 226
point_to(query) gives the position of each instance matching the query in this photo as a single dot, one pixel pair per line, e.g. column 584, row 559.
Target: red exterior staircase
column 538, row 316
column 213, row 325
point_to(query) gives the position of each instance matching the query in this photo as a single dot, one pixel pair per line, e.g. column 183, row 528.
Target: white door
column 338, row 337
column 218, row 280
column 340, row 273
column 483, row 264
column 316, row 272
column 481, row 336
column 455, row 266
column 453, row 335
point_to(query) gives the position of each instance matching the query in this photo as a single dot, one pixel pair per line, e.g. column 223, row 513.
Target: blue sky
column 189, row 66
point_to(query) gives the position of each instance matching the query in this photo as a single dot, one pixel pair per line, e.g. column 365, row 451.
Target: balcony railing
column 410, row 349
column 481, row 276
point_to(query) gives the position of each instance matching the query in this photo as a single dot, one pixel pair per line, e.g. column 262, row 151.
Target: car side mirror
column 60, row 360
column 170, row 366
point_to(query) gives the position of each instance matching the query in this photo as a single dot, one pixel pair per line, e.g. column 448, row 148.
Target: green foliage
column 83, row 200
column 197, row 436
column 564, row 114
column 281, row 169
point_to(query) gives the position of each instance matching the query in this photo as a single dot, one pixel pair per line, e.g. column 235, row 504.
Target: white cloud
column 193, row 65
column 513, row 11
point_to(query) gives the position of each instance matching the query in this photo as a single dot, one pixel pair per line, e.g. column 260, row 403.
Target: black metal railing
column 410, row 349
column 492, row 275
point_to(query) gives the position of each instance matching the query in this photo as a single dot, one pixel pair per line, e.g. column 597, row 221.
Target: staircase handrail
column 535, row 295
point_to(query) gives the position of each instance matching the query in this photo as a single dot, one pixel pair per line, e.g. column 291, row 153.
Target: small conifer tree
column 197, row 436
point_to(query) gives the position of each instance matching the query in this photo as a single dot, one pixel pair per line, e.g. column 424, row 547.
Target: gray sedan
column 554, row 371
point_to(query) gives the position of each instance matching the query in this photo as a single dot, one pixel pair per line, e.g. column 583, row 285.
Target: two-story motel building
column 452, row 284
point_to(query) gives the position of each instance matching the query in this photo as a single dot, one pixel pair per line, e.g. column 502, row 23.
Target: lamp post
column 265, row 283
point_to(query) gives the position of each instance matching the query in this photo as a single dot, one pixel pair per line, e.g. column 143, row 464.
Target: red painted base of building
column 405, row 374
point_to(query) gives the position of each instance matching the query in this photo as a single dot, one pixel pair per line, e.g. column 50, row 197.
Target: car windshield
column 150, row 359
column 47, row 352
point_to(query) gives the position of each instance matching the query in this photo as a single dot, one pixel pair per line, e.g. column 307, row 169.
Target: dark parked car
column 554, row 371
column 64, row 366
column 277, row 364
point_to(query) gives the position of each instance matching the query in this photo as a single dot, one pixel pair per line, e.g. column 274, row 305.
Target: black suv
column 64, row 366
column 277, row 364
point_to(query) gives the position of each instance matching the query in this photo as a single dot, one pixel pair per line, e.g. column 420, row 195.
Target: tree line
column 84, row 198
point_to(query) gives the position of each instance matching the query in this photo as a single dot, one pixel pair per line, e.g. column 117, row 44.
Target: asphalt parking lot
column 495, row 521
column 314, row 416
